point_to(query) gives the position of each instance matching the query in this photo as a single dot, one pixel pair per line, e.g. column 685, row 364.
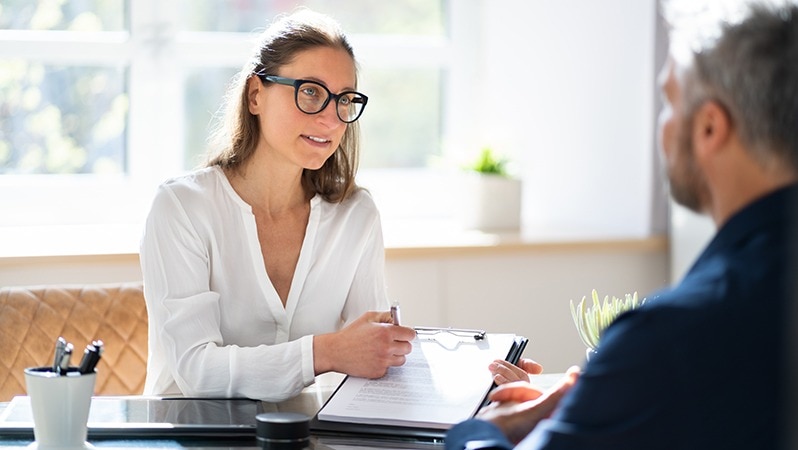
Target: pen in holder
column 60, row 397
column 60, row 402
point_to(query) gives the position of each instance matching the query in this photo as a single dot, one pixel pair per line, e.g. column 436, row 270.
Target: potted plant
column 491, row 196
column 591, row 321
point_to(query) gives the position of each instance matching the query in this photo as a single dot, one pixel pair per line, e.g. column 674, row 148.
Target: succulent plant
column 489, row 163
column 591, row 321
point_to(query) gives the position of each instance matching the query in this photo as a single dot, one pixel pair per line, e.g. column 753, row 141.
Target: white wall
column 524, row 291
column 569, row 87
column 30, row 271
column 527, row 293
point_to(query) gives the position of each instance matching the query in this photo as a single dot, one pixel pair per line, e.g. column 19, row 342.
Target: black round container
column 283, row 430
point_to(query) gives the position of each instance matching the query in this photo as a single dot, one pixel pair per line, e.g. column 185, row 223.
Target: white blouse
column 216, row 324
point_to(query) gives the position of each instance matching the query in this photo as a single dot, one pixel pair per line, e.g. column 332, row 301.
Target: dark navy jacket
column 699, row 366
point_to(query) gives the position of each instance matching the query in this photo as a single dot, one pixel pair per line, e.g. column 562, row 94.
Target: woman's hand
column 365, row 348
column 505, row 372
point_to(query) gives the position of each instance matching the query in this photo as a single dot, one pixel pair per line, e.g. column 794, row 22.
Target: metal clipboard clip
column 450, row 338
column 462, row 333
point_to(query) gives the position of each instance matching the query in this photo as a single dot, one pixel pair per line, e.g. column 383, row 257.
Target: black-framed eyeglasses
column 312, row 97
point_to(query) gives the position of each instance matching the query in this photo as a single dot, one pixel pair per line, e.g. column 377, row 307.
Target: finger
column 517, row 391
column 397, row 360
column 405, row 334
column 500, row 365
column 380, row 316
column 564, row 384
column 518, row 395
column 571, row 375
column 401, row 348
column 550, row 399
column 504, row 372
column 501, row 379
column 531, row 366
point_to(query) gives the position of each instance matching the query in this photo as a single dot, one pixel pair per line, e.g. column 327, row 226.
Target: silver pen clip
column 60, row 345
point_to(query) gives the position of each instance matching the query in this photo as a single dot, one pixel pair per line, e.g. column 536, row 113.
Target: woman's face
column 288, row 134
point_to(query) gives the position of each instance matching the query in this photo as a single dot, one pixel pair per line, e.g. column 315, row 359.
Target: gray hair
column 748, row 63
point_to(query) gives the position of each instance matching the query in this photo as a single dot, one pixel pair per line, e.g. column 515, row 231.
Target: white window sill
column 403, row 239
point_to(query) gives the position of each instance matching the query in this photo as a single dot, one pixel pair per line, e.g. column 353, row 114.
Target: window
column 102, row 100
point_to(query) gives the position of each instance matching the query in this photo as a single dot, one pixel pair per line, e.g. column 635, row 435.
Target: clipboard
column 349, row 411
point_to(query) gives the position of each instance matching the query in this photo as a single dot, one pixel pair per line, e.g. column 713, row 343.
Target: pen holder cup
column 60, row 406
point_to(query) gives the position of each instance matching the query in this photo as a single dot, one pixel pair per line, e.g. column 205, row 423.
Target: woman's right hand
column 365, row 348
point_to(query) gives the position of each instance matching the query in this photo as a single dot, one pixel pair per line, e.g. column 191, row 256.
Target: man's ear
column 712, row 128
column 253, row 88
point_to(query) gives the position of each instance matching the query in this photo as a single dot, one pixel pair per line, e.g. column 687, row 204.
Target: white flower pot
column 490, row 202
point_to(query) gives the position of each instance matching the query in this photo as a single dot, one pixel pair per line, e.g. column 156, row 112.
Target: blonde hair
column 236, row 137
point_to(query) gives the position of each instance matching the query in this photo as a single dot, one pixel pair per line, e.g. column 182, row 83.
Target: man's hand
column 504, row 372
column 518, row 407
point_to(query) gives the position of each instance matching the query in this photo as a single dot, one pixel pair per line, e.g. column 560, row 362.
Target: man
column 700, row 365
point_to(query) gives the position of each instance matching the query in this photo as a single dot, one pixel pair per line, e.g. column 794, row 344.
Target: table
column 308, row 402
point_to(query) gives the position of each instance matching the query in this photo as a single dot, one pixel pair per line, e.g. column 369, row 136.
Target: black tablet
column 120, row 417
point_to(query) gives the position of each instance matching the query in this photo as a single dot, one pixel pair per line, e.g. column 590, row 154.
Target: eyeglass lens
column 313, row 97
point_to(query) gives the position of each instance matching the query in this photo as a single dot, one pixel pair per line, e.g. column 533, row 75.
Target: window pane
column 69, row 15
column 65, row 120
column 401, row 125
column 204, row 93
column 419, row 17
column 402, row 122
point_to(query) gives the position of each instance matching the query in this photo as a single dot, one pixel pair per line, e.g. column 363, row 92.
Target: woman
column 265, row 268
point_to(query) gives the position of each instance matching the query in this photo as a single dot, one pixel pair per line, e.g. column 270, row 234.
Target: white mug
column 60, row 406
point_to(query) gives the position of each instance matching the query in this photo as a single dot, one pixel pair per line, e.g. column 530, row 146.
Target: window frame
column 156, row 56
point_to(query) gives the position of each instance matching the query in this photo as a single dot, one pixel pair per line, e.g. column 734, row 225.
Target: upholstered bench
column 32, row 318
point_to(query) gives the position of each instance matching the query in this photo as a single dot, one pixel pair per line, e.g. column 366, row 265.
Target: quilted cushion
column 32, row 318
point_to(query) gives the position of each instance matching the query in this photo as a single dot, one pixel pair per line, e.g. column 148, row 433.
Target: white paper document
column 443, row 382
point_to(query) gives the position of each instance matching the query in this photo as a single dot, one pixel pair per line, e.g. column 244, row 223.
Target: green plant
column 488, row 162
column 591, row 321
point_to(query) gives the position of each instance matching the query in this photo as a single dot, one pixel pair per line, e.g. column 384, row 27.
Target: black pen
column 91, row 357
column 87, row 362
column 98, row 344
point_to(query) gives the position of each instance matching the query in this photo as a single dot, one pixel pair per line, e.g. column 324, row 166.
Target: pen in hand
column 395, row 313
